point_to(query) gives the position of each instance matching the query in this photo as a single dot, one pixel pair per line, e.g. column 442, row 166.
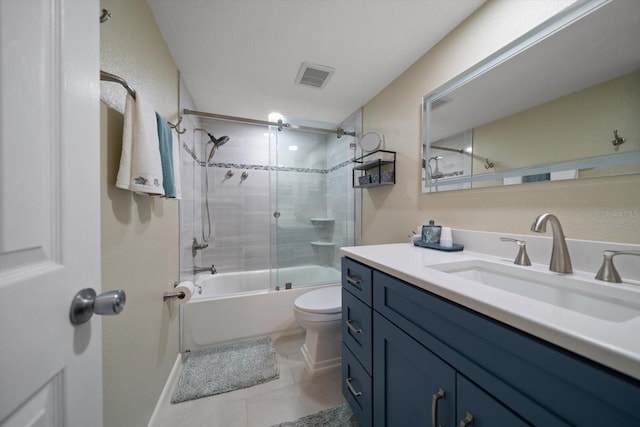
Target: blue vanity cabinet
column 413, row 387
column 357, row 338
column 503, row 377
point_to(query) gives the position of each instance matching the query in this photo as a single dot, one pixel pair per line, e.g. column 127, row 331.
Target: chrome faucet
column 608, row 271
column 195, row 246
column 560, row 260
column 211, row 269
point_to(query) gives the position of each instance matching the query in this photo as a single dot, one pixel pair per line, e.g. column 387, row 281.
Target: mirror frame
column 551, row 26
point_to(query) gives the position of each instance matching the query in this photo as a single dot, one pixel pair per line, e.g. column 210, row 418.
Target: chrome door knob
column 86, row 303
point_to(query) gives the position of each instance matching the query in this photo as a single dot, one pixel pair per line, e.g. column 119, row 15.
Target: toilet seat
column 321, row 301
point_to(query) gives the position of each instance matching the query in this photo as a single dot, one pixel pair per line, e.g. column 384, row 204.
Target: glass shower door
column 312, row 205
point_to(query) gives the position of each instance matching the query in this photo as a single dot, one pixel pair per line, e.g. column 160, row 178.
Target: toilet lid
column 325, row 300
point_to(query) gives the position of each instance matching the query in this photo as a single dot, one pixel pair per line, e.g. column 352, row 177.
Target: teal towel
column 166, row 157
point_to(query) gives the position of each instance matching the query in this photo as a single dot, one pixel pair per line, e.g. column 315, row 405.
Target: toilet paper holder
column 172, row 295
column 178, row 294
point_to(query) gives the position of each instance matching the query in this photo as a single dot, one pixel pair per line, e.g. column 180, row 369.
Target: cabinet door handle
column 353, row 280
column 434, row 407
column 351, row 389
column 352, row 328
column 467, row 420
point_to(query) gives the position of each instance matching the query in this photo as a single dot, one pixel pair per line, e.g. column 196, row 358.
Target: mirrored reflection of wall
column 579, row 125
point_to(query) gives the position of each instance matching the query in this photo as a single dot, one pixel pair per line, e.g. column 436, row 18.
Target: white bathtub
column 240, row 305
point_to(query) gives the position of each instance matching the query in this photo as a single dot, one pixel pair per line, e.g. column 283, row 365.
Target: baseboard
column 166, row 391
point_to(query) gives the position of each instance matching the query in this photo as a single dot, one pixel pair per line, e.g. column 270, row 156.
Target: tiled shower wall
column 312, row 182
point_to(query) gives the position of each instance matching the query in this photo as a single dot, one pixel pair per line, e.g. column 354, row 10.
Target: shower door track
column 279, row 124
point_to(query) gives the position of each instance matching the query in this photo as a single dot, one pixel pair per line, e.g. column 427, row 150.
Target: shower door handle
column 276, row 214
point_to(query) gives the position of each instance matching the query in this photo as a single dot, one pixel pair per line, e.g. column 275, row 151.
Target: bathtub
column 236, row 306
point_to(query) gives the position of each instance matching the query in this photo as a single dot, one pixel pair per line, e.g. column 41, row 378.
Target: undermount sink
column 593, row 299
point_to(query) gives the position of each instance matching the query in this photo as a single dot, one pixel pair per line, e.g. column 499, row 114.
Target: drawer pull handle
column 434, row 407
column 351, row 389
column 352, row 328
column 354, row 281
column 467, row 421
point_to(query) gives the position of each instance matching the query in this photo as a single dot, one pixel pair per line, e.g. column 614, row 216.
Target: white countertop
column 611, row 343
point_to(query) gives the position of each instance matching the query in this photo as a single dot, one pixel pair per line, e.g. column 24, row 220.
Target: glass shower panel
column 312, row 214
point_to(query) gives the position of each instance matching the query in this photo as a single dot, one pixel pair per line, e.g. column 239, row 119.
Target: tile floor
column 293, row 395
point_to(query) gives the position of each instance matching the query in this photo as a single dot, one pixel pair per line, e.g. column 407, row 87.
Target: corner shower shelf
column 321, row 220
column 323, row 244
column 375, row 169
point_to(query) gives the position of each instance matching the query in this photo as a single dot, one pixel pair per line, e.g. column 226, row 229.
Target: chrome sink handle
column 608, row 272
column 522, row 258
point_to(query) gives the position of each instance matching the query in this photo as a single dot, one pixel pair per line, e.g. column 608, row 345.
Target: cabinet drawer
column 356, row 387
column 357, row 278
column 356, row 328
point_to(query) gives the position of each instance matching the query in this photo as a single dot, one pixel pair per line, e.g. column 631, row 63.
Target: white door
column 50, row 371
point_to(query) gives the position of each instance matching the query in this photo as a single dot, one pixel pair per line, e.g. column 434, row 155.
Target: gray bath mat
column 339, row 416
column 226, row 368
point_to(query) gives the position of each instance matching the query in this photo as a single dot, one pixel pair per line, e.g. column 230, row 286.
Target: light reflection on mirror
column 544, row 108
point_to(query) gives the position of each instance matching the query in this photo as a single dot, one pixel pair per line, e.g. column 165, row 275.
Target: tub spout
column 211, row 269
column 560, row 260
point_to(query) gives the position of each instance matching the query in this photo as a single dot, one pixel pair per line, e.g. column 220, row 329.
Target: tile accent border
column 264, row 167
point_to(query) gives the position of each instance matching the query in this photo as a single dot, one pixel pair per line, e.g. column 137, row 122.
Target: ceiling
column 241, row 57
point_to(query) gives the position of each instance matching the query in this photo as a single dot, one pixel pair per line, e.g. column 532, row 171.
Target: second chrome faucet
column 560, row 261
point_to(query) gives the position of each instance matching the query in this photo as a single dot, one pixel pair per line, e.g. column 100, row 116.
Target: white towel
column 176, row 163
column 140, row 164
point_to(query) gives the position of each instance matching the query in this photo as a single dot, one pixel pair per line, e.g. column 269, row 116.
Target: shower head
column 217, row 142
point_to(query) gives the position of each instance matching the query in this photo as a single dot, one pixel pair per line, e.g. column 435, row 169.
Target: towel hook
column 172, row 126
column 617, row 140
column 488, row 164
column 104, row 16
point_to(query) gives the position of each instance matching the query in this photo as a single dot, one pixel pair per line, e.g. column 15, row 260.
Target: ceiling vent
column 314, row 75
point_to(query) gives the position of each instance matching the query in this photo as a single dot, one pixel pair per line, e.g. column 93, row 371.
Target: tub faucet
column 560, row 260
column 211, row 269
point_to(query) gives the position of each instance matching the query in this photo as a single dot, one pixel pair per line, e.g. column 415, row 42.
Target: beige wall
column 595, row 209
column 139, row 234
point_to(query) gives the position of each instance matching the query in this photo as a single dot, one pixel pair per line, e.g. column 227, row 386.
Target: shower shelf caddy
column 375, row 169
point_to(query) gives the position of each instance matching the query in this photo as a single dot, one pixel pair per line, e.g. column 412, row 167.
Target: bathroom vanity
column 424, row 345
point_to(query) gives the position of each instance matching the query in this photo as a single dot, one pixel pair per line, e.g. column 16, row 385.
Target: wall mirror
column 561, row 102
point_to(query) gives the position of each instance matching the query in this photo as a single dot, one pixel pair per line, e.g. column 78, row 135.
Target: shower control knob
column 86, row 303
column 276, row 214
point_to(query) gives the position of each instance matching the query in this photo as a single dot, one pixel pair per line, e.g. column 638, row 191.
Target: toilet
column 319, row 312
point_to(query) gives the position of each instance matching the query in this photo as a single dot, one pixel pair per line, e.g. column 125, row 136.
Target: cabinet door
column 477, row 408
column 407, row 379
